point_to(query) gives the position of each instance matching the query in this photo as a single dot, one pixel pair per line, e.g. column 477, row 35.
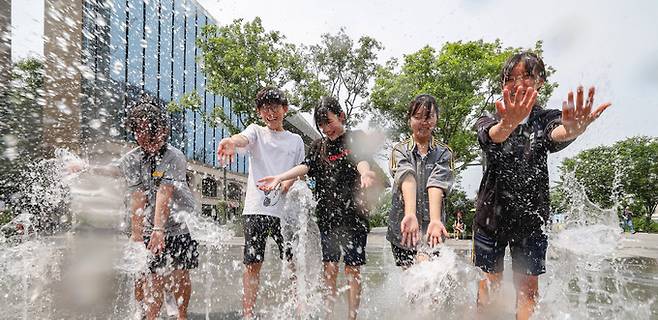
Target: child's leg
column 353, row 274
column 527, row 288
column 355, row 257
column 487, row 287
column 256, row 229
column 330, row 274
column 181, row 287
column 154, row 295
column 250, row 282
column 488, row 255
column 528, row 262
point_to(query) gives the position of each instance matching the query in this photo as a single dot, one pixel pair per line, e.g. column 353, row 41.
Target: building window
column 208, row 210
column 209, row 187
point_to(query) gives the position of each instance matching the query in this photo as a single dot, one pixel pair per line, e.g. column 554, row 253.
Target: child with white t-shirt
column 272, row 149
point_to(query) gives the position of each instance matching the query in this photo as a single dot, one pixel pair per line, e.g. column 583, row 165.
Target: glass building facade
column 132, row 47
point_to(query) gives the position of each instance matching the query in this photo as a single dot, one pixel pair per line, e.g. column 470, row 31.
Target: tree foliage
column 242, row 57
column 345, row 68
column 624, row 172
column 463, row 76
column 21, row 114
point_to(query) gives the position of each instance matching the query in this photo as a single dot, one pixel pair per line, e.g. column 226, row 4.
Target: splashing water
column 586, row 278
column 302, row 233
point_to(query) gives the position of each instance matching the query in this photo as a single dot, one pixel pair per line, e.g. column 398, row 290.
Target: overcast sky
column 610, row 44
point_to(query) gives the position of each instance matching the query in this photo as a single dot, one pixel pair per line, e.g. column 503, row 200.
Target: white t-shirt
column 270, row 153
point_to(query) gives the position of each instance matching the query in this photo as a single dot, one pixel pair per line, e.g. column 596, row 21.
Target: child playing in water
column 156, row 176
column 273, row 149
column 155, row 173
column 339, row 173
column 513, row 200
column 421, row 167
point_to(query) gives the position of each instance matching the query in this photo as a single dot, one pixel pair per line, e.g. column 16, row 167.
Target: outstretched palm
column 576, row 116
column 226, row 151
column 513, row 110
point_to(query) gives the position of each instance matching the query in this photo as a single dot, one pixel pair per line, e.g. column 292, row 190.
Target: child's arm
column 367, row 175
column 137, row 206
column 404, row 177
column 577, row 117
column 409, row 224
column 270, row 182
column 512, row 113
column 106, row 170
column 162, row 210
column 226, row 147
column 438, row 185
column 436, row 230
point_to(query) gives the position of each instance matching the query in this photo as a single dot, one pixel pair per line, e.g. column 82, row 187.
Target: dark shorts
column 349, row 243
column 257, row 228
column 405, row 257
column 180, row 252
column 528, row 254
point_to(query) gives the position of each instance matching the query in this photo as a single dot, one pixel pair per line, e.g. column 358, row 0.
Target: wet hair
column 321, row 113
column 270, row 96
column 423, row 101
column 533, row 66
column 150, row 110
column 321, row 117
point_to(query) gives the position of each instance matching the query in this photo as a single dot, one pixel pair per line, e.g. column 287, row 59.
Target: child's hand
column 409, row 229
column 512, row 112
column 285, row 185
column 156, row 243
column 137, row 237
column 576, row 117
column 226, row 151
column 269, row 183
column 367, row 179
column 435, row 232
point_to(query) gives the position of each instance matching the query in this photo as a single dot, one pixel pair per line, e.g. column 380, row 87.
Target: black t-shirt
column 333, row 166
column 513, row 199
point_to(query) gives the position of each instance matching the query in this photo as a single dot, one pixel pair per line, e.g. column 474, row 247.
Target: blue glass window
column 117, row 12
column 151, row 46
column 135, row 34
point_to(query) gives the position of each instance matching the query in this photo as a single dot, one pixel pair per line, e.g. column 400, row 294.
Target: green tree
column 241, row 58
column 457, row 201
column 346, row 69
column 463, row 76
column 21, row 114
column 624, row 172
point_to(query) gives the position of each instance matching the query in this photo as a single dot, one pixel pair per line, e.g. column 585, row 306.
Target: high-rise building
column 102, row 55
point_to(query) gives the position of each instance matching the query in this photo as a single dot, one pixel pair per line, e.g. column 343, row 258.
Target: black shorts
column 180, row 252
column 405, row 257
column 528, row 254
column 257, row 228
column 350, row 242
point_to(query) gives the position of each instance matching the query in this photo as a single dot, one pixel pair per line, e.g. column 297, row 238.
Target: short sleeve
column 174, row 169
column 251, row 134
column 311, row 159
column 442, row 173
column 400, row 166
column 551, row 120
column 299, row 152
column 482, row 126
column 130, row 167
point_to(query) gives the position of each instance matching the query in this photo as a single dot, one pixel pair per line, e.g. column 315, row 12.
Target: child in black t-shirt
column 339, row 172
column 513, row 200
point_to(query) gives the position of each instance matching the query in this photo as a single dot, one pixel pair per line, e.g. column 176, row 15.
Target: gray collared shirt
column 435, row 169
column 149, row 173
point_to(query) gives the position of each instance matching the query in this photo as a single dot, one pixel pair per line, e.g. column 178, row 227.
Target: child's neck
column 423, row 145
column 277, row 128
